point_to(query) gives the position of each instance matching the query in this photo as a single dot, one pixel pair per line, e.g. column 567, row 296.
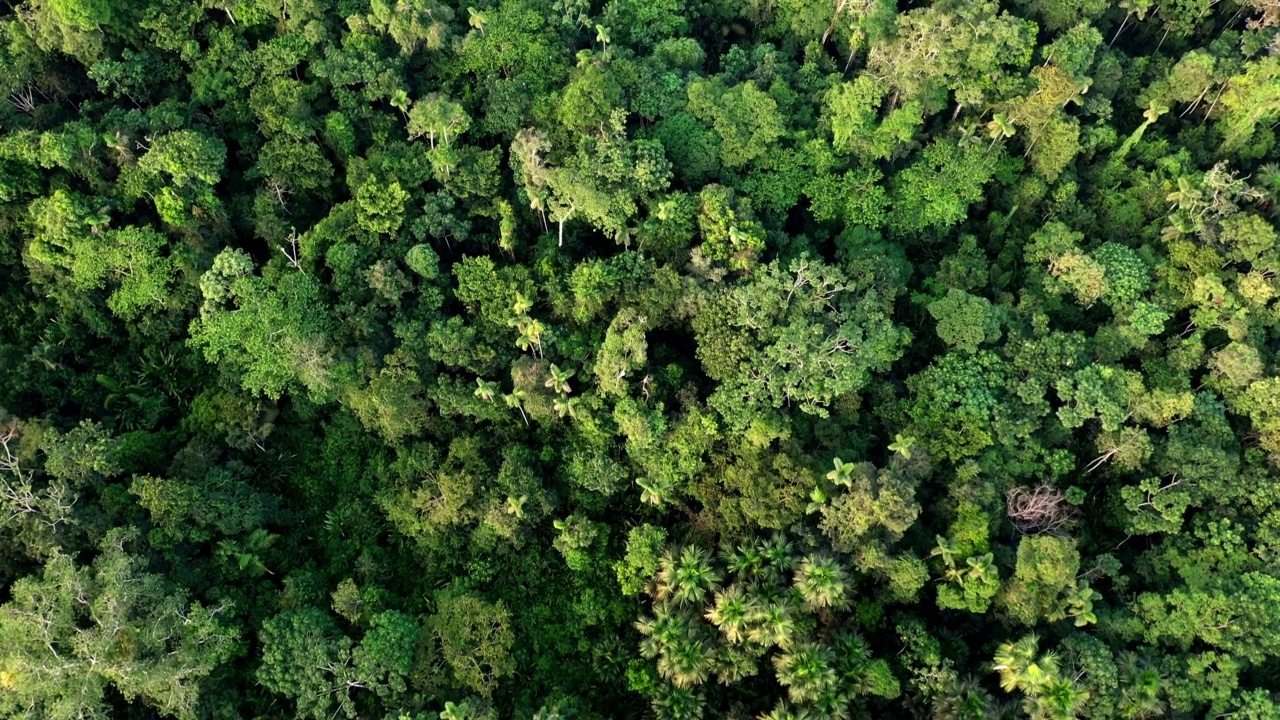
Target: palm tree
column 1080, row 601
column 516, row 400
column 782, row 711
column 901, row 445
column 1000, row 128
column 467, row 710
column 1154, row 111
column 677, row 703
column 477, row 19
column 1268, row 177
column 565, row 406
column 559, row 380
column 852, row 653
column 1058, row 700
column 694, row 575
column 805, row 671
column 686, row 578
column 515, row 505
column 964, row 700
column 99, row 221
column 832, row 705
column 773, row 623
column 1020, row 669
column 1142, row 685
column 667, row 627
column 764, row 592
column 485, row 390
column 653, row 630
column 1132, row 8
column 979, row 573
column 743, row 561
column 777, row 552
column 731, row 612
column 842, row 474
column 817, row 501
column 654, row 490
column 664, row 580
column 1187, row 196
column 531, row 331
column 686, row 662
column 400, row 101
column 946, row 550
column 980, row 566
column 821, row 582
column 735, row 662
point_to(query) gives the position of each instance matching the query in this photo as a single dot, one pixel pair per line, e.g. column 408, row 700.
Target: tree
column 854, row 109
column 73, row 631
column 576, row 535
column 1231, row 613
column 969, row 49
column 182, row 167
column 692, row 147
column 869, row 506
column 590, row 97
column 965, row 321
column 746, row 118
column 644, row 545
column 272, row 328
column 528, row 162
column 729, row 231
column 608, row 179
column 132, row 261
column 474, row 638
column 435, row 116
column 1248, row 101
column 384, row 659
column 937, row 190
column 955, row 400
column 306, row 657
column 759, row 340
column 411, row 23
column 70, row 26
column 290, row 165
column 392, row 403
column 380, row 206
column 1100, row 391
column 1046, row 568
column 200, row 509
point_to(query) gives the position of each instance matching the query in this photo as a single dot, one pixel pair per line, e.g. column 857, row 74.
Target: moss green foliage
column 601, row 359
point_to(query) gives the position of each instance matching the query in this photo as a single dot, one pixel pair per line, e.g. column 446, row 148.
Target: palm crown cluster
column 723, row 616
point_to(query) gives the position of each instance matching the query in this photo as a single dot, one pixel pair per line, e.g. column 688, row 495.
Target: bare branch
column 1042, row 509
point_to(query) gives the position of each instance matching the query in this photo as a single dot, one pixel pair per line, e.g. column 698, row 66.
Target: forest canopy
column 672, row 359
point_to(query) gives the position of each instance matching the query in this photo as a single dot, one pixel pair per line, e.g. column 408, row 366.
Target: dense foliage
column 825, row 359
